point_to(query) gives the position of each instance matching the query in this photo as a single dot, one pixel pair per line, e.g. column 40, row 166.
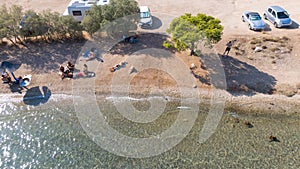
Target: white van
column 78, row 8
column 145, row 17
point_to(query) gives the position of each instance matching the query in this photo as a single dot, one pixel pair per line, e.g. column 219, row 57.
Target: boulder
column 258, row 49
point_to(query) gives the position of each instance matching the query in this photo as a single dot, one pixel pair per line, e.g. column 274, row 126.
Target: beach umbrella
column 11, row 65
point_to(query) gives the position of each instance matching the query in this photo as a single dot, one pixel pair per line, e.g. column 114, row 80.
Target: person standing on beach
column 228, row 47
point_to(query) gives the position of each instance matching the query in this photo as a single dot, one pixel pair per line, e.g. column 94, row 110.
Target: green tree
column 4, row 14
column 93, row 19
column 188, row 30
column 32, row 24
column 119, row 8
column 51, row 21
column 98, row 16
column 10, row 19
column 70, row 28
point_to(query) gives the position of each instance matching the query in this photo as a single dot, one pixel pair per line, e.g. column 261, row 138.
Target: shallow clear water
column 50, row 135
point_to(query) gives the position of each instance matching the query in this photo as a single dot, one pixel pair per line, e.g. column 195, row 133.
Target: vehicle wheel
column 265, row 16
column 249, row 26
column 275, row 24
column 243, row 19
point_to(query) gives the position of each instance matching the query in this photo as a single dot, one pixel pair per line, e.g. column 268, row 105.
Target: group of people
column 69, row 71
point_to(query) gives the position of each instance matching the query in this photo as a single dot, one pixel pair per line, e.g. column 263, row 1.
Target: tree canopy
column 99, row 15
column 18, row 26
column 188, row 30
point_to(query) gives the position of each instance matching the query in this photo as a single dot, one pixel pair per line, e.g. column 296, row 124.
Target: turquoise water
column 50, row 136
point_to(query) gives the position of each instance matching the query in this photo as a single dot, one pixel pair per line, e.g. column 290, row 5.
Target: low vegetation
column 19, row 27
column 268, row 48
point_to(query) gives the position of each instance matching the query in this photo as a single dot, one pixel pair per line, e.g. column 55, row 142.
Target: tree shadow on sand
column 241, row 78
column 10, row 65
column 35, row 97
column 145, row 41
column 44, row 57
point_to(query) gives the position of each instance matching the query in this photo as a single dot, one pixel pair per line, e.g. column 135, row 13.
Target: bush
column 168, row 45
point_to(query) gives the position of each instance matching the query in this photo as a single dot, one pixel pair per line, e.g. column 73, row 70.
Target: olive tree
column 10, row 19
column 188, row 30
column 98, row 16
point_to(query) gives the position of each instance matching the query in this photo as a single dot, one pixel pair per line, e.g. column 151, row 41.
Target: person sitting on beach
column 91, row 55
column 6, row 78
column 85, row 69
column 71, row 67
column 117, row 66
column 64, row 71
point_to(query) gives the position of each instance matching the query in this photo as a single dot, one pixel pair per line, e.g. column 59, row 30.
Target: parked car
column 145, row 17
column 253, row 20
column 278, row 16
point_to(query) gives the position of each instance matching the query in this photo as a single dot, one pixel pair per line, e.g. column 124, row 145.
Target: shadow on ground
column 241, row 78
column 10, row 65
column 156, row 23
column 145, row 41
column 34, row 96
column 294, row 25
column 44, row 57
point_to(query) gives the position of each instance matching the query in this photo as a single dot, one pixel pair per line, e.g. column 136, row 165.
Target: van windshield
column 145, row 15
column 282, row 15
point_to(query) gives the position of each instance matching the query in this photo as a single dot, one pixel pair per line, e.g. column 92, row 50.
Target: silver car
column 278, row 16
column 253, row 20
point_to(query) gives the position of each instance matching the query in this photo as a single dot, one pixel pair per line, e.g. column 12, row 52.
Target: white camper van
column 78, row 8
column 145, row 17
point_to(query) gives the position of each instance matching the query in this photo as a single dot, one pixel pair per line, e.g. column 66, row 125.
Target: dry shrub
column 283, row 45
column 285, row 38
column 274, row 49
column 290, row 48
column 271, row 39
column 255, row 41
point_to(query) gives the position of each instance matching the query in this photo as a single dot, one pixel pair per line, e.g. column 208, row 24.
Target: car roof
column 277, row 8
column 253, row 13
column 144, row 9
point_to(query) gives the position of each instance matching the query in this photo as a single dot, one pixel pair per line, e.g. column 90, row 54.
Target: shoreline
column 256, row 104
